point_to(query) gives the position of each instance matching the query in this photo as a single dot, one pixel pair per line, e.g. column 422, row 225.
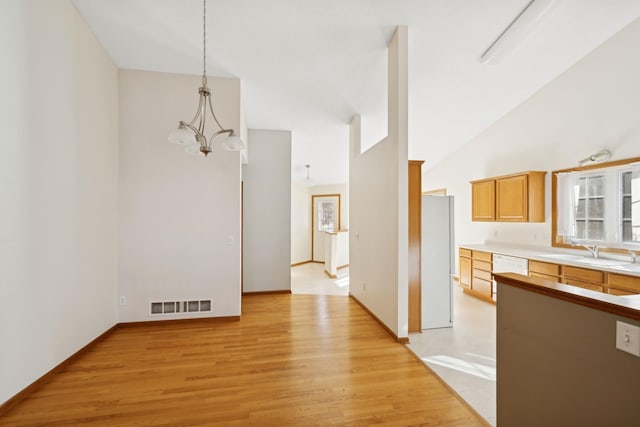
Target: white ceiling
column 308, row 66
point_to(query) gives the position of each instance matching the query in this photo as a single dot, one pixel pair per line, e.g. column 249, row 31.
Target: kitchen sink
column 635, row 268
column 595, row 262
column 600, row 261
column 564, row 257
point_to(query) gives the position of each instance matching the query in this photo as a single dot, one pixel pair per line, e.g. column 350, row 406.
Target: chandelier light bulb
column 233, row 143
column 182, row 136
column 193, row 149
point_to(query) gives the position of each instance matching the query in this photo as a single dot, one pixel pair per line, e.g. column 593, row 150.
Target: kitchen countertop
column 612, row 263
column 627, row 306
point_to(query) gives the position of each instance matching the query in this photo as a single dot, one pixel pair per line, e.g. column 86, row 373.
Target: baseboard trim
column 343, row 266
column 22, row 394
column 282, row 291
column 301, row 263
column 180, row 321
column 401, row 340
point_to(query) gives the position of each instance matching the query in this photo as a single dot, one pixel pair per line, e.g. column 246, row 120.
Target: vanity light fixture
column 192, row 135
column 517, row 30
column 600, row 156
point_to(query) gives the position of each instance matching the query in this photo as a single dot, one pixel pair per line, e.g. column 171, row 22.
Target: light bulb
column 182, row 136
column 233, row 143
column 193, row 149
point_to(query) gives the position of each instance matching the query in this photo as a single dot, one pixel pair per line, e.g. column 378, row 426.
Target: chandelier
column 192, row 134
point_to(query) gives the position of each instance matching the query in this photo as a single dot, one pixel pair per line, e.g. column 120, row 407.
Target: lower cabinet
column 475, row 273
column 476, row 276
column 465, row 267
column 544, row 270
column 619, row 284
column 583, row 278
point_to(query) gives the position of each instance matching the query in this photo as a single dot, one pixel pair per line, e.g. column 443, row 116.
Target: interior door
column 325, row 214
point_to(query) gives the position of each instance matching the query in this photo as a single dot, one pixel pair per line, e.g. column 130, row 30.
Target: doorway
column 325, row 217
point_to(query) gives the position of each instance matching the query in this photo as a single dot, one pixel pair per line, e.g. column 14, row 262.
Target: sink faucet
column 634, row 257
column 593, row 249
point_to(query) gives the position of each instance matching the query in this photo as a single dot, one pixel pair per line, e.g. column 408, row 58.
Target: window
column 600, row 205
column 589, row 215
column 326, row 216
column 631, row 206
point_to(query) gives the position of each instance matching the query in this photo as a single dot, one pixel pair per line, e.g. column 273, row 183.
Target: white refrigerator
column 437, row 261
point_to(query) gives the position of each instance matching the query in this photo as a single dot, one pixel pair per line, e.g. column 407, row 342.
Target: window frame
column 558, row 240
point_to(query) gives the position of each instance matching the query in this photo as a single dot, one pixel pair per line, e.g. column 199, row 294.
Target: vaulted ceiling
column 308, row 66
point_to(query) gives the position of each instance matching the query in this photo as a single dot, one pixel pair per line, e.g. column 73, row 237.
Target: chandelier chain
column 204, row 41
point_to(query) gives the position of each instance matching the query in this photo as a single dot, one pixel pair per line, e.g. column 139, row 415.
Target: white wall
column 378, row 245
column 58, row 185
column 179, row 214
column 267, row 212
column 300, row 223
column 593, row 105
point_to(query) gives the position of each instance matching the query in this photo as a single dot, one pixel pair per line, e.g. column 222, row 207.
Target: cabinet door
column 512, row 198
column 482, row 287
column 544, row 276
column 583, row 274
column 620, row 283
column 585, row 285
column 483, row 200
column 465, row 272
column 545, row 268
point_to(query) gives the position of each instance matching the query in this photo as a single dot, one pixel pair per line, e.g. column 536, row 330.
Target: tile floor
column 464, row 356
column 310, row 278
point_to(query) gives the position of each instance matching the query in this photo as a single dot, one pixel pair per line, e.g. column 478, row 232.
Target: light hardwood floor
column 291, row 360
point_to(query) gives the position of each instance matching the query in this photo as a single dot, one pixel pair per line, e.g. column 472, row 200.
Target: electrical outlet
column 123, row 300
column 628, row 338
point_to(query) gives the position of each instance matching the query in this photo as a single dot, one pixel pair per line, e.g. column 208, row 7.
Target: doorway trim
column 313, row 213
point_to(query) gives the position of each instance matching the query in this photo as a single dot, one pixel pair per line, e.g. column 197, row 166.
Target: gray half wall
column 557, row 364
column 267, row 212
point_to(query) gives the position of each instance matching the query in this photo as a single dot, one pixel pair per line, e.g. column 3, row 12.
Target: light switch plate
column 628, row 338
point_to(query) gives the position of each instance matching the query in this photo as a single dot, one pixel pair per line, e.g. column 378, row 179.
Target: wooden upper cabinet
column 510, row 198
column 483, row 200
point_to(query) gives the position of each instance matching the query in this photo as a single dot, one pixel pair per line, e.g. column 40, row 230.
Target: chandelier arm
column 190, row 126
column 203, row 115
column 214, row 114
column 198, row 113
column 220, row 132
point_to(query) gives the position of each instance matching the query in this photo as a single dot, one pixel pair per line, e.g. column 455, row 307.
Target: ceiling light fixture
column 517, row 30
column 192, row 135
column 600, row 156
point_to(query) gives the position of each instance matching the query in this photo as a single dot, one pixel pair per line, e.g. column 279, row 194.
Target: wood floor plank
column 292, row 360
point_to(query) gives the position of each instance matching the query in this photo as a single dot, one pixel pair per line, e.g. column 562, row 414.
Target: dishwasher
column 508, row 264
